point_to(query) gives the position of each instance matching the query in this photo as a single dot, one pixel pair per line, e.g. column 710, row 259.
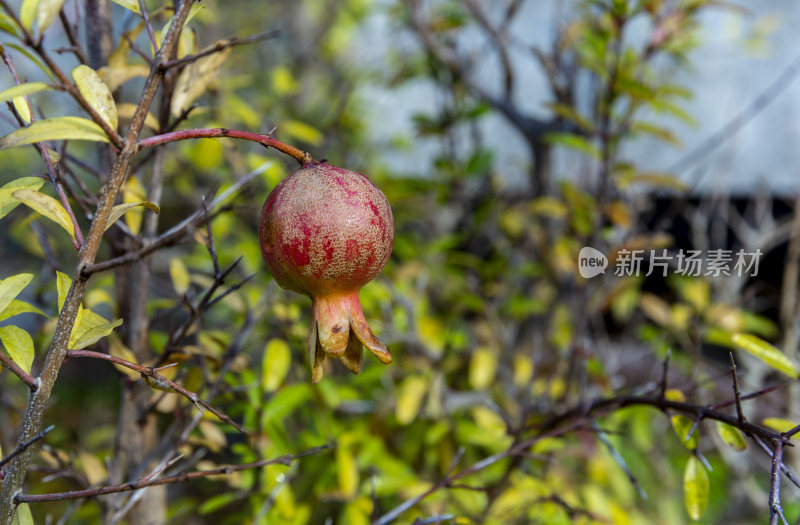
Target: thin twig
column 22, row 446
column 737, row 394
column 286, row 459
column 159, row 381
column 220, row 46
column 303, row 157
column 149, row 26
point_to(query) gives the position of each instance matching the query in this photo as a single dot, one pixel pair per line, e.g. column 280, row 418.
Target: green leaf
column 275, row 365
column 179, row 275
column 11, row 287
column 695, row 488
column 27, row 13
column 33, row 58
column 19, row 346
column 301, row 131
column 22, row 90
column 120, row 209
column 96, row 94
column 46, row 206
column 132, row 5
column 409, row 398
column 47, row 12
column 682, row 425
column 23, row 515
column 346, row 470
column 732, row 436
column 17, row 307
column 766, row 352
column 93, row 333
column 7, row 200
column 58, row 128
column 22, row 107
column 574, row 142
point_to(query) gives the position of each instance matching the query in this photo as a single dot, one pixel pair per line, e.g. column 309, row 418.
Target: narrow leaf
column 27, row 13
column 22, row 107
column 58, row 128
column 695, row 488
column 7, row 200
column 126, row 110
column 23, row 515
column 19, row 346
column 120, row 210
column 732, row 436
column 132, row 5
column 275, row 366
column 63, row 283
column 766, row 352
column 10, row 288
column 47, row 12
column 46, row 206
column 92, row 335
column 180, row 275
column 96, row 93
column 17, row 307
column 22, row 90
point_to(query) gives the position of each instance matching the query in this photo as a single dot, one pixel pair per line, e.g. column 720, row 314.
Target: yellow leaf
column 27, row 13
column 17, row 307
column 117, row 348
column 134, row 191
column 674, row 394
column 46, row 206
column 283, row 82
column 19, row 346
column 132, row 5
column 731, row 435
column 301, row 131
column 120, row 209
column 346, row 471
column 195, row 79
column 215, row 438
column 7, row 200
column 275, row 365
column 409, row 398
column 47, row 11
column 21, row 105
column 92, row 334
column 10, row 288
column 523, row 370
column 179, row 275
column 23, row 515
column 779, row 424
column 682, row 425
column 767, row 353
column 695, row 488
column 96, row 93
column 482, row 368
column 92, row 467
column 58, row 128
column 63, row 282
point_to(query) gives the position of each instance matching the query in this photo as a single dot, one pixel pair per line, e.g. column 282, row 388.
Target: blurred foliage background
column 496, row 338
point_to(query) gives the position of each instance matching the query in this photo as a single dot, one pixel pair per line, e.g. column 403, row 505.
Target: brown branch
column 148, row 25
column 775, row 509
column 303, row 157
column 221, row 46
column 183, row 477
column 159, row 381
column 19, row 372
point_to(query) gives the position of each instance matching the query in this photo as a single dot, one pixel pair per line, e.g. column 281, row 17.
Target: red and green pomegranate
column 325, row 232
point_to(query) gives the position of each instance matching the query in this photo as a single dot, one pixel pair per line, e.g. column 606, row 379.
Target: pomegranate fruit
column 325, row 232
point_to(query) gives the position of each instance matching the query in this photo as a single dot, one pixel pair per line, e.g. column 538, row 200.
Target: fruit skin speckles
column 325, row 232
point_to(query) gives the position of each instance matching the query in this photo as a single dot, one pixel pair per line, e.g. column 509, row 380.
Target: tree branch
column 286, row 459
column 17, row 371
column 220, row 46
